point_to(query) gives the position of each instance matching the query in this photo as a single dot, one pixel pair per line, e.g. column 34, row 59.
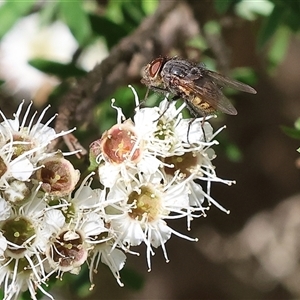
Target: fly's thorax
column 176, row 67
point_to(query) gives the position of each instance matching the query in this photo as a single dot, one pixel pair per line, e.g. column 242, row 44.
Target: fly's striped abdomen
column 201, row 107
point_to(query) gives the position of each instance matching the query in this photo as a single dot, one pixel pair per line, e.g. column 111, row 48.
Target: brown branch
column 172, row 22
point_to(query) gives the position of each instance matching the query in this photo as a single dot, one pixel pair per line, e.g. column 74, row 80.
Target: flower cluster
column 154, row 168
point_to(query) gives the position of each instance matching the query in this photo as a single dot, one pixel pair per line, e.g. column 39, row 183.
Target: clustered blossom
column 153, row 168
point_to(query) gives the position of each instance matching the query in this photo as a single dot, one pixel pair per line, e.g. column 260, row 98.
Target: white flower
column 112, row 257
column 196, row 164
column 123, row 153
column 14, row 282
column 163, row 138
column 3, row 246
column 156, row 168
column 5, row 209
column 21, row 265
column 54, row 220
column 29, row 137
column 11, row 168
column 69, row 236
column 23, row 144
column 137, row 212
column 171, row 134
column 57, row 175
column 87, row 198
column 22, row 228
column 28, row 39
column 66, row 249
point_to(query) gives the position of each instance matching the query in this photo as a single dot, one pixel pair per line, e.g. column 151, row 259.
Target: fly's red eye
column 155, row 67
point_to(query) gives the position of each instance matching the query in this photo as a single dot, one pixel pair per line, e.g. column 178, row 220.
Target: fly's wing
column 208, row 91
column 228, row 82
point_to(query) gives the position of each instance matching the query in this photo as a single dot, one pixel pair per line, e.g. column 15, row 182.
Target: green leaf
column 56, row 68
column 133, row 13
column 234, row 153
column 231, row 150
column 11, row 12
column 113, row 11
column 279, row 45
column 1, row 81
column 290, row 10
column 291, row 132
column 49, row 13
column 297, row 124
column 244, row 74
column 270, row 26
column 73, row 14
column 149, row 7
column 132, row 279
column 212, row 27
column 222, row 6
column 111, row 31
column 251, row 10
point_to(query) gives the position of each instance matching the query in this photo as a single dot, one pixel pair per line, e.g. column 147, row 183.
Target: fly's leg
column 174, row 98
column 156, row 89
column 202, row 127
column 195, row 114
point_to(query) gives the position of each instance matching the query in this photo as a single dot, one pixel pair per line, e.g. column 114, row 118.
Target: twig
column 124, row 63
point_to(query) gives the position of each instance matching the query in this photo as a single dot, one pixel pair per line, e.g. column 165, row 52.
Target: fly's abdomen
column 199, row 106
